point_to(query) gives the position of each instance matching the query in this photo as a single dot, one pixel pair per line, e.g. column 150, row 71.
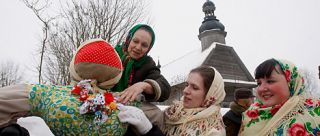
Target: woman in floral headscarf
column 184, row 118
column 197, row 114
column 283, row 106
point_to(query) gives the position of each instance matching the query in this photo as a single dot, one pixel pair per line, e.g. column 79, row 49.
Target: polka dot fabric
column 97, row 52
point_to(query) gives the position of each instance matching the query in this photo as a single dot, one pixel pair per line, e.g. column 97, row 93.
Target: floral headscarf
column 299, row 115
column 206, row 120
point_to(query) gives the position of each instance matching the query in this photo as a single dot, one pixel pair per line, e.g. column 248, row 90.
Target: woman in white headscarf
column 197, row 114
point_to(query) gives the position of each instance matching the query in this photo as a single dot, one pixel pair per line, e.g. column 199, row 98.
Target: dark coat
column 232, row 122
column 155, row 131
column 232, row 119
column 149, row 70
column 14, row 130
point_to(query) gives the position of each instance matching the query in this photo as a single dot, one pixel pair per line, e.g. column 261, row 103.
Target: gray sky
column 256, row 29
column 19, row 34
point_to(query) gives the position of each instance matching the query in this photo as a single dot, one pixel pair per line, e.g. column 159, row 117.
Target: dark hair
column 243, row 93
column 207, row 74
column 265, row 69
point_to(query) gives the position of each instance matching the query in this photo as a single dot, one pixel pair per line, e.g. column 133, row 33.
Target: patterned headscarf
column 131, row 33
column 127, row 62
column 205, row 120
column 299, row 115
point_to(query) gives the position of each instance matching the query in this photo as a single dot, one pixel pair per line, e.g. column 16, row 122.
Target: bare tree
column 9, row 73
column 178, row 79
column 80, row 21
column 58, row 59
column 38, row 9
column 106, row 19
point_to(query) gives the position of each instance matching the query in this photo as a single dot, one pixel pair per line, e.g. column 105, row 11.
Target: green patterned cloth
column 59, row 109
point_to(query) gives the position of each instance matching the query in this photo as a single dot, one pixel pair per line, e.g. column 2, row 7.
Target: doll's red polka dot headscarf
column 96, row 59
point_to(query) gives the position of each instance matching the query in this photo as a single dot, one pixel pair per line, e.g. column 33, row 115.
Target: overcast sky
column 256, row 29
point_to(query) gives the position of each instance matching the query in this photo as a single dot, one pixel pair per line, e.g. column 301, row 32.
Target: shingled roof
column 222, row 57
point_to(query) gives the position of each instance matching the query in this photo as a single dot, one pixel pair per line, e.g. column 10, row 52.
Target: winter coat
column 232, row 119
column 150, row 73
column 155, row 131
column 149, row 70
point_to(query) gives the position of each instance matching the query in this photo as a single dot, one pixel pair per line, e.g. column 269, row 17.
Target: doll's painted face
column 194, row 91
column 273, row 90
column 139, row 44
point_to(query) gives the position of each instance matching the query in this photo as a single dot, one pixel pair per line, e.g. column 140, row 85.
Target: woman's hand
column 135, row 117
column 131, row 93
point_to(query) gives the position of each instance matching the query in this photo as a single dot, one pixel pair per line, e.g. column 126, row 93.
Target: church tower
column 213, row 52
column 211, row 30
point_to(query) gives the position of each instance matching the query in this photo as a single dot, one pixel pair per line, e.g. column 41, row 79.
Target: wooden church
column 213, row 52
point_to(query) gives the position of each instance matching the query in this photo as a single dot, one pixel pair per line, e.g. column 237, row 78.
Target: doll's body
column 60, row 110
column 70, row 111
